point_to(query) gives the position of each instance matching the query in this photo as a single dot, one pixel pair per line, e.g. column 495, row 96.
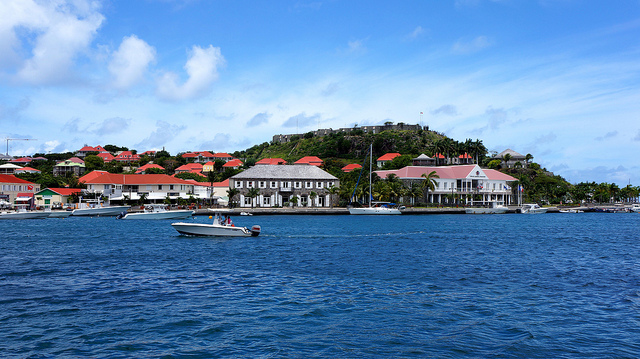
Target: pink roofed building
column 143, row 169
column 106, row 157
column 234, row 163
column 463, row 182
column 26, row 170
column 127, row 156
column 190, row 167
column 309, row 161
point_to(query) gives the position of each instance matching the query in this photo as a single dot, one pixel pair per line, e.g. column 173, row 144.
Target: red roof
column 224, row 183
column 309, row 160
column 127, row 156
column 466, row 155
column 64, row 191
column 388, row 156
column 149, row 165
column 13, row 179
column 222, row 155
column 92, row 175
column 190, row 155
column 106, row 156
column 100, row 149
column 233, row 163
column 112, row 178
column 26, row 169
column 351, row 167
column 22, row 160
column 438, row 155
column 88, row 149
column 271, row 161
column 190, row 167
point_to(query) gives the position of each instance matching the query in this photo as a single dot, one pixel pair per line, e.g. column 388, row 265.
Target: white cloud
column 301, row 120
column 130, row 62
column 464, row 47
column 356, row 46
column 202, row 69
column 259, row 119
column 113, row 125
column 164, row 133
column 450, row 110
column 417, row 32
column 55, row 33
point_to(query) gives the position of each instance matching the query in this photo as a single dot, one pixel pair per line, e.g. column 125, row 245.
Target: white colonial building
column 468, row 183
column 279, row 184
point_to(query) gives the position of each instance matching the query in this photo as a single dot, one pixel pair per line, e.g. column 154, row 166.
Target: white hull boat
column 495, row 208
column 59, row 214
column 159, row 212
column 100, row 211
column 24, row 214
column 532, row 208
column 374, row 210
column 217, row 229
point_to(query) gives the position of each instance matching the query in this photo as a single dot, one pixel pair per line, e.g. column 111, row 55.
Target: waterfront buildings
column 14, row 189
column 282, row 185
column 468, row 184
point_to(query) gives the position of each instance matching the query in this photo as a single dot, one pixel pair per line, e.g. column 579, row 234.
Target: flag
column 421, row 112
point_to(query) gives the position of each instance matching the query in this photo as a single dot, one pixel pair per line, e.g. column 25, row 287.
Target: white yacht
column 158, row 211
column 495, row 208
column 97, row 208
column 221, row 227
column 532, row 208
column 22, row 213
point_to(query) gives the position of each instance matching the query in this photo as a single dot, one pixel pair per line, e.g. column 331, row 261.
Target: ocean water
column 441, row 286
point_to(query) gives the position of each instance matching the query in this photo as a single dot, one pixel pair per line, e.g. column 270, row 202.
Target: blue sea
column 440, row 286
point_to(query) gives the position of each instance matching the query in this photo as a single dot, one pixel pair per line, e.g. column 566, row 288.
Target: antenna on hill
column 17, row 139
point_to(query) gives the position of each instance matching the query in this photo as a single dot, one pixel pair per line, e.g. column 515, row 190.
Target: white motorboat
column 219, row 228
column 59, row 214
column 635, row 208
column 532, row 208
column 97, row 208
column 23, row 213
column 374, row 207
column 159, row 212
column 495, row 208
column 572, row 210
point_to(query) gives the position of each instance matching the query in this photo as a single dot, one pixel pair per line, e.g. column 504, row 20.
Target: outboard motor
column 122, row 214
column 255, row 230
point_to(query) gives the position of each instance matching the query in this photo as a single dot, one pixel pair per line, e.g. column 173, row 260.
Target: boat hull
column 59, row 214
column 100, row 211
column 486, row 210
column 374, row 210
column 215, row 230
column 179, row 214
column 24, row 215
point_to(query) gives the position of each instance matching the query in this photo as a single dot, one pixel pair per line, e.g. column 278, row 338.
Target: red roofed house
column 222, row 156
column 142, row 169
column 465, row 181
column 234, row 163
column 200, row 156
column 386, row 158
column 157, row 187
column 271, row 161
column 350, row 167
column 12, row 188
column 463, row 159
column 49, row 196
column 309, row 160
column 85, row 150
column 189, row 167
column 22, row 161
column 440, row 159
column 106, row 157
column 92, row 175
column 127, row 156
column 26, row 170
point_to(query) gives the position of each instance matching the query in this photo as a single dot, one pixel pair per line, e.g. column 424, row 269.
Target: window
column 263, row 184
column 297, row 184
column 250, row 184
column 159, row 187
column 238, row 184
column 319, row 185
column 247, row 201
column 308, row 184
column 266, row 201
column 445, row 185
column 148, row 187
column 170, row 186
column 286, row 184
column 274, row 184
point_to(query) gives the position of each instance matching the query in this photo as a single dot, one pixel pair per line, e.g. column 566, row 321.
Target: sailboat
column 374, row 207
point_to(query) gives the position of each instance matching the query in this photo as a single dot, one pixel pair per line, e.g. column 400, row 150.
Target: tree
column 93, row 162
column 143, row 198
column 312, row 197
column 253, row 193
column 232, row 192
column 527, row 158
column 333, row 190
column 506, row 159
column 429, row 183
column 294, row 200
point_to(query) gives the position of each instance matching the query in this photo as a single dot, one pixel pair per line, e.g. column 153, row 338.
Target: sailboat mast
column 370, row 170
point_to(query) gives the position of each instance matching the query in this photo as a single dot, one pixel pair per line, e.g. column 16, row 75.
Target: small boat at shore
column 158, row 212
column 495, row 208
column 532, row 208
column 59, row 214
column 219, row 228
column 381, row 208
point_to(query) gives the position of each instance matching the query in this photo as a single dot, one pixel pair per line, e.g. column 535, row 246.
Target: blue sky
column 559, row 79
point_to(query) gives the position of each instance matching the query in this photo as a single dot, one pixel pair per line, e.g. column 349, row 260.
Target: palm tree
column 506, row 159
column 333, row 190
column 232, row 192
column 429, row 183
column 312, row 197
column 253, row 193
column 414, row 191
column 294, row 200
column 143, row 198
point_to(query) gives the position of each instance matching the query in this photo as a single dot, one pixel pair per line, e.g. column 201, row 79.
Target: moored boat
column 23, row 213
column 219, row 228
column 373, row 207
column 97, row 208
column 532, row 208
column 159, row 212
column 495, row 208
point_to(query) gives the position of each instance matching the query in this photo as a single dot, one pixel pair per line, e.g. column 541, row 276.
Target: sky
column 559, row 79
